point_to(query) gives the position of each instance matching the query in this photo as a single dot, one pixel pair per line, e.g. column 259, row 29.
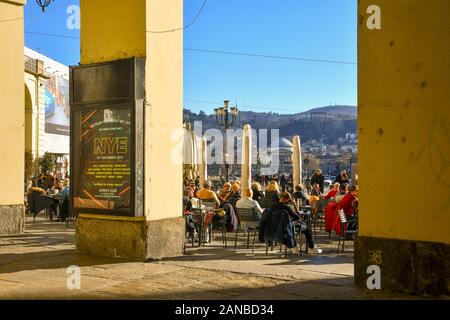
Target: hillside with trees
column 339, row 121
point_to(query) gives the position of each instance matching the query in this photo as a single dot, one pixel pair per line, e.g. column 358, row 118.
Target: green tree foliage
column 47, row 163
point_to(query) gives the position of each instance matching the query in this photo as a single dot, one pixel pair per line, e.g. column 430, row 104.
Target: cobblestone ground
column 33, row 266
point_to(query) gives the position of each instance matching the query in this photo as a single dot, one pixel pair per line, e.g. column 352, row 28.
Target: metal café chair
column 248, row 221
column 210, row 205
column 318, row 215
column 344, row 229
column 273, row 221
column 305, row 217
column 199, row 219
column 323, row 205
column 38, row 202
column 71, row 216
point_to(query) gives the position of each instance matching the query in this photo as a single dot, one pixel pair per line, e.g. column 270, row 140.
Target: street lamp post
column 226, row 117
column 43, row 3
column 350, row 159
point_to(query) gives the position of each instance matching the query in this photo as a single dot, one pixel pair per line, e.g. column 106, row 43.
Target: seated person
column 299, row 195
column 346, row 203
column 65, row 194
column 257, row 191
column 41, row 181
column 316, row 190
column 207, row 194
column 235, row 194
column 247, row 202
column 57, row 185
column 315, row 195
column 273, row 192
column 224, row 192
column 333, row 191
column 188, row 194
column 286, row 203
column 343, row 190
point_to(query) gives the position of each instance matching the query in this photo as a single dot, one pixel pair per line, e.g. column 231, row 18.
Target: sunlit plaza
column 224, row 150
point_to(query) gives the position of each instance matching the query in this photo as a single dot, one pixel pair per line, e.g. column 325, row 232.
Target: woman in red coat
column 346, row 203
column 333, row 191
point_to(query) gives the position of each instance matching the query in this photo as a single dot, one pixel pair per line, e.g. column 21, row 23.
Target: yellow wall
column 165, row 114
column 404, row 121
column 12, row 111
column 112, row 30
column 106, row 37
column 29, row 121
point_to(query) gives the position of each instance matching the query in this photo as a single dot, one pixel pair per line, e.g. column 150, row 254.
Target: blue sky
column 312, row 29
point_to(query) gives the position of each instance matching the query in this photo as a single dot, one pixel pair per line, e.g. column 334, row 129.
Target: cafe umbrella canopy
column 190, row 153
column 297, row 160
column 202, row 160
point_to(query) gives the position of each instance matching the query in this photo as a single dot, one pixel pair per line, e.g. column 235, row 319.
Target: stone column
column 115, row 30
column 12, row 113
column 404, row 145
column 297, row 160
column 246, row 166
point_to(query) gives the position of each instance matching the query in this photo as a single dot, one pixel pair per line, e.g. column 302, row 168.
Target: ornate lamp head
column 43, row 3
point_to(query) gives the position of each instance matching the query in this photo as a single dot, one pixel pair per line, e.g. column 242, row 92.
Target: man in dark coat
column 318, row 178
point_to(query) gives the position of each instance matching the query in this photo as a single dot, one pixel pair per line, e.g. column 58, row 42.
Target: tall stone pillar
column 297, row 160
column 12, row 113
column 112, row 31
column 404, row 145
column 246, row 166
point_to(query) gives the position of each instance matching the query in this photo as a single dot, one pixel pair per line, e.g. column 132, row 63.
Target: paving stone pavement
column 33, row 266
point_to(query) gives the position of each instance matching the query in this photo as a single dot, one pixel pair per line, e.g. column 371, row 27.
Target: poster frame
column 134, row 101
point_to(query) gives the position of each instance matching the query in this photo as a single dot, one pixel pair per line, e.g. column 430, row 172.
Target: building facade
column 47, row 118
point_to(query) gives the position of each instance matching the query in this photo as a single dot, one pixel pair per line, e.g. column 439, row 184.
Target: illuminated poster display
column 57, row 109
column 105, row 172
column 107, row 138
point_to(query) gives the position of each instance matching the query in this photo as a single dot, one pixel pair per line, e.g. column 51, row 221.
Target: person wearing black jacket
column 299, row 195
column 318, row 178
column 342, row 178
column 257, row 191
column 288, row 205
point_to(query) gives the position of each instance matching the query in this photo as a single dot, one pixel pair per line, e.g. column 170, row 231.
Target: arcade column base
column 413, row 267
column 134, row 239
column 12, row 220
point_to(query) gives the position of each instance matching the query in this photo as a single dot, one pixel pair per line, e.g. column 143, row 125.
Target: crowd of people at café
column 51, row 187
column 268, row 195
